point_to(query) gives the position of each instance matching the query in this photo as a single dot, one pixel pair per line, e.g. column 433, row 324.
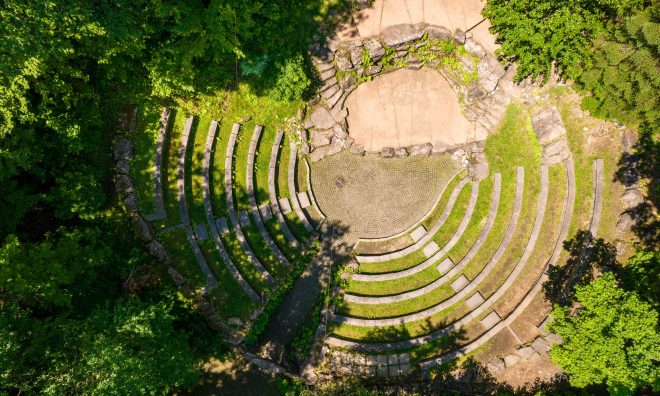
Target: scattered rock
column 401, row 152
column 123, row 167
column 439, row 32
column 553, row 338
column 321, row 118
column 547, row 125
column 632, row 198
column 478, row 171
column 421, row 149
column 357, row 149
column 319, row 138
column 496, row 366
column 511, row 360
column 525, row 352
column 397, row 35
column 244, row 119
column 625, row 223
column 131, row 203
column 387, row 152
column 540, row 345
column 474, row 49
column 628, row 140
column 123, row 149
column 340, row 132
column 344, row 62
column 319, row 153
column 374, row 49
column 556, row 152
column 459, row 37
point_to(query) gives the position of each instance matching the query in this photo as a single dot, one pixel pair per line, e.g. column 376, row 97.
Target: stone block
column 393, row 360
column 201, row 232
column 491, row 320
column 479, row 171
column 344, row 62
column 421, row 149
column 303, row 198
column 553, row 338
column 445, row 266
column 474, row 301
column 397, row 35
column 244, row 218
column 628, row 140
column 124, row 149
column 430, row 249
column 321, row 118
column 547, row 125
column 401, row 152
column 540, row 345
column 387, row 152
column 264, row 210
column 221, row 225
column 418, row 233
column 511, row 360
column 625, row 223
column 319, row 138
column 525, row 352
column 632, row 198
column 460, row 283
column 285, row 205
column 474, row 49
column 374, row 49
column 439, row 32
column 496, row 366
column 357, row 149
column 459, row 37
column 556, row 152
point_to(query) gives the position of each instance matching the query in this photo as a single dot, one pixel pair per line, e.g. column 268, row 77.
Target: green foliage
column 613, row 339
column 540, row 35
column 292, row 81
column 642, row 274
column 623, row 75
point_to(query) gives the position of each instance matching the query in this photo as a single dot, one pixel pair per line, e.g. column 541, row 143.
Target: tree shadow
column 638, row 164
column 586, row 255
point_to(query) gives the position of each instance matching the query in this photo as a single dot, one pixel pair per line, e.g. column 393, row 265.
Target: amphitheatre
column 427, row 214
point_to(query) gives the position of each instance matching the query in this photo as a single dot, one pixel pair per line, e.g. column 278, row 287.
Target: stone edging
column 159, row 205
column 484, row 100
column 293, row 193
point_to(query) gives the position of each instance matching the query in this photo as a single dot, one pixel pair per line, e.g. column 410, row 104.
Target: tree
column 623, row 72
column 538, row 35
column 612, row 339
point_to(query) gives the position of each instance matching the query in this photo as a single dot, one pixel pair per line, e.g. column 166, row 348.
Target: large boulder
column 142, row 229
column 123, row 149
column 334, row 147
column 547, row 125
column 319, row 138
column 123, row 184
column 321, row 118
column 421, row 149
column 355, row 51
column 556, row 152
column 397, row 35
column 387, row 152
column 131, row 203
column 496, row 366
column 438, row 32
column 401, row 152
column 628, row 140
column 344, row 62
column 123, row 167
column 319, row 153
column 374, row 49
column 632, row 198
column 625, row 223
column 489, row 73
column 357, row 149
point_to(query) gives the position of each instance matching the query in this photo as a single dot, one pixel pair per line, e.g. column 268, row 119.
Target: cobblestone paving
column 377, row 197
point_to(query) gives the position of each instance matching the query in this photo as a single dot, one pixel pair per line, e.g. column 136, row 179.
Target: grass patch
column 182, row 256
column 142, row 165
column 238, row 257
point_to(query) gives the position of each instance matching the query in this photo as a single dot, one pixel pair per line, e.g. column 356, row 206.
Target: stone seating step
column 282, row 205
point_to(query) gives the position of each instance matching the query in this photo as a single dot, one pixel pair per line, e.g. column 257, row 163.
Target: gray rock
column 553, row 338
column 525, row 352
column 534, row 357
column 131, row 203
column 397, row 35
column 479, row 171
column 347, row 82
column 373, row 70
column 401, row 152
column 628, row 139
column 348, row 142
column 477, row 147
column 344, row 62
column 625, row 223
column 352, row 265
column 374, row 49
column 632, row 198
column 474, row 49
column 319, row 153
column 335, row 147
column 201, row 232
column 511, row 360
column 339, row 114
column 476, row 92
column 355, row 49
column 123, row 149
column 439, row 32
column 123, row 184
column 556, row 152
column 357, row 149
column 387, row 152
column 327, row 93
column 123, row 167
column 319, row 138
column 459, row 37
column 496, row 366
column 234, row 321
column 340, row 132
column 547, row 125
column 489, row 72
column 421, row 149
column 327, row 75
column 142, row 229
column 540, row 345
column 321, row 118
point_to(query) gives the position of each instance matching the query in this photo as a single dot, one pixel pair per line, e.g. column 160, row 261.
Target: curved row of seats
column 259, row 215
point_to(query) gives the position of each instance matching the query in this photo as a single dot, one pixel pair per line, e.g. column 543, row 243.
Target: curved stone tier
column 417, row 245
column 159, row 205
column 495, row 199
column 208, row 209
column 183, row 206
column 254, row 208
column 293, row 192
column 272, row 191
column 233, row 217
column 466, row 288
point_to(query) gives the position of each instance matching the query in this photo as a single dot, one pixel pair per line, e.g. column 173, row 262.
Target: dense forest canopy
column 69, row 68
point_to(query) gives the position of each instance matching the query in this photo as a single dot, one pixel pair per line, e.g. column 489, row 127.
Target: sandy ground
column 404, row 108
